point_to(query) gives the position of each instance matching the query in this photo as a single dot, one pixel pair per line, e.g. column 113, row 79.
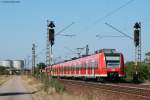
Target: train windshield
column 112, row 60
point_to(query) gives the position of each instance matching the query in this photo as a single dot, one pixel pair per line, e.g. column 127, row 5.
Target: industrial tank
column 18, row 64
column 6, row 63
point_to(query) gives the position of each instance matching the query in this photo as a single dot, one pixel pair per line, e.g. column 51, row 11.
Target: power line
column 109, row 36
column 58, row 33
column 119, row 31
column 10, row 1
column 114, row 11
column 68, row 35
column 107, row 15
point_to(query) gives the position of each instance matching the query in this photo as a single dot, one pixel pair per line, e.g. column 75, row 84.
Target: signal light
column 137, row 25
column 136, row 37
column 51, row 36
column 51, row 24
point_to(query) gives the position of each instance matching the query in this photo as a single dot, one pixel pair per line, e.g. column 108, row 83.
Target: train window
column 71, row 68
column 92, row 64
column 78, row 65
column 59, row 69
column 77, row 68
column 95, row 64
column 67, row 67
column 84, row 65
column 81, row 65
column 113, row 61
column 88, row 65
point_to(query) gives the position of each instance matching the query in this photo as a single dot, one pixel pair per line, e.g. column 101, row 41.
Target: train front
column 114, row 65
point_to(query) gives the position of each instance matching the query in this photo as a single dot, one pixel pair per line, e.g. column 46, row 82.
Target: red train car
column 105, row 63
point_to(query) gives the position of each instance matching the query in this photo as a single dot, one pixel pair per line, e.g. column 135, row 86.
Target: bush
column 129, row 70
column 143, row 69
column 54, row 83
column 3, row 71
column 57, row 85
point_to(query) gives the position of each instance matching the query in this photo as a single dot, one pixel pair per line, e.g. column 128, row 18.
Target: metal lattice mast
column 50, row 41
column 47, row 47
column 137, row 43
column 140, row 44
column 33, row 58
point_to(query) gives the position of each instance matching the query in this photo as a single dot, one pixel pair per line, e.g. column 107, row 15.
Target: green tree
column 3, row 70
column 129, row 70
column 147, row 59
column 41, row 65
column 147, row 54
column 143, row 69
column 38, row 70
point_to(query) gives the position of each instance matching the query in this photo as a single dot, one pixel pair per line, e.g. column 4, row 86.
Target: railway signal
column 136, row 37
column 137, row 34
column 51, row 33
column 137, row 43
column 50, row 41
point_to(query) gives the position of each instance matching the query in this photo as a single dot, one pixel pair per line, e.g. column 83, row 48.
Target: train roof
column 105, row 51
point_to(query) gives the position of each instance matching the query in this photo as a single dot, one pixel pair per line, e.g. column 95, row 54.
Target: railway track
column 137, row 90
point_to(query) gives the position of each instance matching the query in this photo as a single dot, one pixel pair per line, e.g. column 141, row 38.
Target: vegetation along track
column 137, row 90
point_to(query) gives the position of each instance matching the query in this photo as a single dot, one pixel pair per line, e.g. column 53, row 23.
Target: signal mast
column 50, row 41
column 137, row 44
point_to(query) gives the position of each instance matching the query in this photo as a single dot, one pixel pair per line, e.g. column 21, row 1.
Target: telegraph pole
column 33, row 58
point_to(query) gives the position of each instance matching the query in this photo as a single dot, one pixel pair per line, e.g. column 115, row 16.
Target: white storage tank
column 18, row 64
column 6, row 63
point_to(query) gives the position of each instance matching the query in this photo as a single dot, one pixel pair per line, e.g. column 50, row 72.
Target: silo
column 18, row 64
column 6, row 63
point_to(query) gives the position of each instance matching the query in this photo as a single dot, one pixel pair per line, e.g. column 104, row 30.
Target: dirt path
column 14, row 90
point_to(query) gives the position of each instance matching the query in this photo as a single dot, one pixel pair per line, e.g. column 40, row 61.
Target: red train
column 105, row 63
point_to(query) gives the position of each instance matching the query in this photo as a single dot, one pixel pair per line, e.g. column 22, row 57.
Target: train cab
column 111, row 64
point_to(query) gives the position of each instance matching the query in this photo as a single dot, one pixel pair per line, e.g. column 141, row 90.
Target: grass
column 57, row 85
column 4, row 78
column 54, row 90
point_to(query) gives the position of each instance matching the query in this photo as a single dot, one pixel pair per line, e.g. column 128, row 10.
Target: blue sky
column 25, row 23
